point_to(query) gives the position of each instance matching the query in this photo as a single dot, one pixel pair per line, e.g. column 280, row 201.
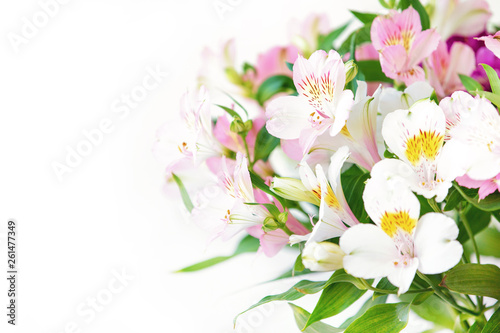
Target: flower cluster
column 377, row 158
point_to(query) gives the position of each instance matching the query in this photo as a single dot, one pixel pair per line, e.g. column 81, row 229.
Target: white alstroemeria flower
column 456, row 17
column 362, row 133
column 222, row 210
column 322, row 257
column 192, row 137
column 416, row 136
column 359, row 133
column 473, row 126
column 322, row 103
column 399, row 243
column 335, row 215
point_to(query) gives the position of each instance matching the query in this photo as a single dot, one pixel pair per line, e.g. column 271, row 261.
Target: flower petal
column 287, row 117
column 435, row 243
column 370, row 253
column 388, row 193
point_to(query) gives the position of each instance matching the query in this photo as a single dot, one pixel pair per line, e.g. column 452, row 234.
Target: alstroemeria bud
column 237, row 126
column 293, row 189
column 322, row 257
column 283, row 217
column 351, row 70
column 270, row 224
column 248, row 125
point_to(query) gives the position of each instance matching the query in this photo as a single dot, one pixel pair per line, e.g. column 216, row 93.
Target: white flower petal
column 402, row 275
column 435, row 243
column 370, row 253
column 288, row 116
column 388, row 192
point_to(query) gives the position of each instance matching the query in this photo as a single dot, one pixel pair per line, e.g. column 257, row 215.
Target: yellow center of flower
column 426, row 144
column 392, row 221
column 405, row 38
column 331, row 200
column 408, row 37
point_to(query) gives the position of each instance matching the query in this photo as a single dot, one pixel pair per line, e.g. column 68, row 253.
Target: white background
column 109, row 214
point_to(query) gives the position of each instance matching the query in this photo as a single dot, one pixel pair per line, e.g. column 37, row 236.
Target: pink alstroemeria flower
column 322, row 103
column 486, row 187
column 492, row 43
column 403, row 45
column 273, row 62
column 444, row 67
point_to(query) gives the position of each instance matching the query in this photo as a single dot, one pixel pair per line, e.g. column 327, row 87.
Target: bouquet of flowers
column 372, row 151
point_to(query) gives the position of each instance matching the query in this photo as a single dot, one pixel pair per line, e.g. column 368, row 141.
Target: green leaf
column 289, row 65
column 237, row 103
column 368, row 304
column 184, row 194
column 383, row 318
column 362, row 35
column 385, row 285
column 353, row 84
column 301, row 317
column 493, row 77
column 495, row 99
column 353, row 184
column 476, row 328
column 326, row 42
column 385, row 4
column 488, row 243
column 341, row 276
column 434, row 310
column 298, row 266
column 474, row 279
column 489, row 204
column 247, row 244
column 333, row 300
column 470, row 84
column 424, row 17
column 422, row 297
column 204, row 264
column 291, row 294
column 478, row 221
column 264, row 144
column 452, row 199
column 493, row 325
column 271, row 208
column 261, row 185
column 231, row 112
column 364, row 17
column 425, row 207
column 273, row 85
column 310, row 287
column 372, row 71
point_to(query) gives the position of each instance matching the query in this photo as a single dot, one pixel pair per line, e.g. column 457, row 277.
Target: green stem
column 288, row 231
column 466, row 224
column 250, row 162
column 441, row 295
column 384, row 291
column 432, row 202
